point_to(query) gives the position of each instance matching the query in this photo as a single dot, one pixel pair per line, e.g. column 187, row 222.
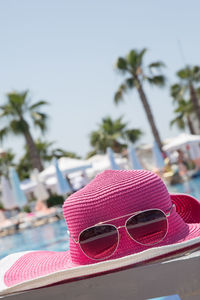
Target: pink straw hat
column 110, row 195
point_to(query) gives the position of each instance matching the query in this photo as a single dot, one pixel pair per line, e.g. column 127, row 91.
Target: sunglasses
column 147, row 228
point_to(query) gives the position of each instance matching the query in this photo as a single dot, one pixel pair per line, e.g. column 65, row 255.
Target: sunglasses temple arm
column 169, row 213
column 76, row 242
column 135, row 213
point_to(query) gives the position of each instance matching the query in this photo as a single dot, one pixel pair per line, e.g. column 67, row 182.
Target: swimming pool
column 51, row 237
column 54, row 236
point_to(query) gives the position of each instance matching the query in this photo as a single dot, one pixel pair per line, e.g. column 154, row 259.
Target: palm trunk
column 34, row 156
column 190, row 125
column 117, row 147
column 195, row 102
column 149, row 115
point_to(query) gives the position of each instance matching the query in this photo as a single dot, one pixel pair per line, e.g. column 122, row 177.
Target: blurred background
column 87, row 86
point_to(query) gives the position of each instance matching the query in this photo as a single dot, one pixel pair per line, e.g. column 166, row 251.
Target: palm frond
column 4, row 132
column 132, row 59
column 121, row 64
column 184, row 73
column 38, row 104
column 133, row 135
column 90, row 154
column 40, row 120
column 157, row 64
column 158, row 80
column 198, row 92
column 140, row 56
column 179, row 121
column 18, row 127
column 184, row 108
column 7, row 110
column 189, row 74
column 58, row 152
column 130, row 83
column 176, row 91
column 42, row 145
column 118, row 97
column 196, row 73
column 17, row 101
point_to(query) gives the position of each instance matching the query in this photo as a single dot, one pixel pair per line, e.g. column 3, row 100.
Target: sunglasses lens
column 99, row 242
column 148, row 227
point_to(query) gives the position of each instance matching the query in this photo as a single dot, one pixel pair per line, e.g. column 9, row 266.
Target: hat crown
column 113, row 194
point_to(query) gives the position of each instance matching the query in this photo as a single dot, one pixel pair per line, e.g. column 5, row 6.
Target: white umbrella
column 28, row 186
column 66, row 165
column 39, row 191
column 186, row 142
column 194, row 151
column 7, row 197
column 181, row 141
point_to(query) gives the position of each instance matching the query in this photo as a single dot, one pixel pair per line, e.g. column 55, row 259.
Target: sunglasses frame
column 122, row 226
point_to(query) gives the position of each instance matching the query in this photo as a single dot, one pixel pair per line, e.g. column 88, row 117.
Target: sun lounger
column 176, row 276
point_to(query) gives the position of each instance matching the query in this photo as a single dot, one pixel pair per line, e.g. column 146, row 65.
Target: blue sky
column 64, row 51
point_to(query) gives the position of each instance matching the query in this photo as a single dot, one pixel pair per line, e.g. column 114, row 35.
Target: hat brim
column 34, row 269
column 187, row 207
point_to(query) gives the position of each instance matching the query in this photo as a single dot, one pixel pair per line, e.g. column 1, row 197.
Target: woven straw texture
column 115, row 193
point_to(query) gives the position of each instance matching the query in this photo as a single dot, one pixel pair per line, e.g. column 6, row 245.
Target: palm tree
column 183, row 115
column 6, row 161
column 189, row 77
column 114, row 134
column 15, row 112
column 46, row 153
column 132, row 66
column 24, row 166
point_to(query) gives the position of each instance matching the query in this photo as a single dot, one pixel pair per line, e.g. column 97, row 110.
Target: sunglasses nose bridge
column 119, row 230
column 119, row 227
column 125, row 228
column 120, row 233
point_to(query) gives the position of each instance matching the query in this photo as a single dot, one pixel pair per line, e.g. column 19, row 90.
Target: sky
column 64, row 52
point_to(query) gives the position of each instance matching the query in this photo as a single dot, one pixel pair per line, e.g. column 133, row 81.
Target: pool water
column 51, row 237
column 191, row 187
column 54, row 236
